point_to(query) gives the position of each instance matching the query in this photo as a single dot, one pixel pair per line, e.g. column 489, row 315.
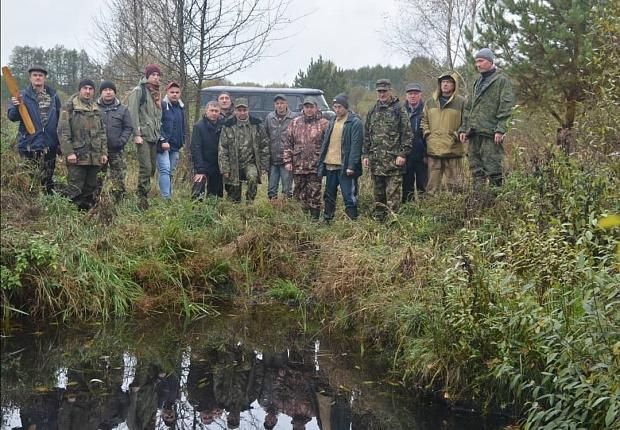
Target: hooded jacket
column 441, row 124
column 44, row 138
column 351, row 147
column 173, row 123
column 117, row 122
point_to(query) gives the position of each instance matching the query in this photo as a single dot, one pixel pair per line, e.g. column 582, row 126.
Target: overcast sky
column 348, row 32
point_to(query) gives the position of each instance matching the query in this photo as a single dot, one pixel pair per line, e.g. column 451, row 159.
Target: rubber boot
column 351, row 212
column 315, row 213
column 328, row 213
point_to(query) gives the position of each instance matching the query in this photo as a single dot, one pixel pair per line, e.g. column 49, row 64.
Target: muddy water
column 249, row 369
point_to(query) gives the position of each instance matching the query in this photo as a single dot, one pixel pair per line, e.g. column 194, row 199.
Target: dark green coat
column 489, row 106
column 82, row 132
column 387, row 135
column 145, row 117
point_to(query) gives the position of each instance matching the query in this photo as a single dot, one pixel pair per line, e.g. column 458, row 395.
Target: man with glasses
column 387, row 141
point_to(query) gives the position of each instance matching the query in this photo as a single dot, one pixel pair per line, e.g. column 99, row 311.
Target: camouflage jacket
column 276, row 130
column 303, row 143
column 231, row 146
column 489, row 106
column 82, row 132
column 387, row 135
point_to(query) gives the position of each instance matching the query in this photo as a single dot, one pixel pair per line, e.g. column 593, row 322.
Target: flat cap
column 241, row 102
column 37, row 68
column 383, row 84
column 279, row 97
column 309, row 100
column 414, row 86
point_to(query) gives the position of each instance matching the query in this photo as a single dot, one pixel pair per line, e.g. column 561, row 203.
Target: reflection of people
column 273, row 371
column 296, row 397
column 40, row 411
column 143, row 399
column 168, row 390
column 200, row 386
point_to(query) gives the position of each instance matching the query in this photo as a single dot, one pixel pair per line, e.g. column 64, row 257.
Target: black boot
column 328, row 213
column 351, row 212
column 315, row 213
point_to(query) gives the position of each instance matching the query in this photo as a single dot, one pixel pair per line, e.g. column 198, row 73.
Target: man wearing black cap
column 44, row 108
column 118, row 127
column 340, row 158
column 145, row 108
column 276, row 124
column 416, row 170
column 485, row 120
column 83, row 143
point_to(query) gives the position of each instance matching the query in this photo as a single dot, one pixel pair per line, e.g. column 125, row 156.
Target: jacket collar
column 79, row 105
column 168, row 103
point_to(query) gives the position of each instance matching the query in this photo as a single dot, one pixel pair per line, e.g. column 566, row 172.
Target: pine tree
column 323, row 75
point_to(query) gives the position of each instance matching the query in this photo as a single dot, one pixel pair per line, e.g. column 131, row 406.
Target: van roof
column 233, row 89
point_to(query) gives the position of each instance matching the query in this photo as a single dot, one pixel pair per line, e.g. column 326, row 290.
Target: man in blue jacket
column 204, row 146
column 416, row 170
column 43, row 106
column 340, row 159
column 172, row 137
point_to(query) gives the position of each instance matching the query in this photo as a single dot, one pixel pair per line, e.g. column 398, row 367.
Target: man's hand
column 463, row 137
column 350, row 172
column 365, row 162
column 15, row 101
column 499, row 138
column 400, row 161
column 425, row 160
column 165, row 146
column 72, row 158
column 104, row 159
column 225, row 175
column 289, row 167
column 138, row 140
column 199, row 177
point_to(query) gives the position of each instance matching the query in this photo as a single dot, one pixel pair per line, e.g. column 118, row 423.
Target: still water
column 258, row 368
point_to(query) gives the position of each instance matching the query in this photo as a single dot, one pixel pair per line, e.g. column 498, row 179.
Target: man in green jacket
column 442, row 117
column 387, row 141
column 485, row 122
column 83, row 143
column 243, row 152
column 145, row 109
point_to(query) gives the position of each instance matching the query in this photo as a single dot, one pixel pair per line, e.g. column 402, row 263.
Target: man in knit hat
column 340, row 159
column 118, row 127
column 43, row 106
column 145, row 110
column 485, row 120
column 83, row 143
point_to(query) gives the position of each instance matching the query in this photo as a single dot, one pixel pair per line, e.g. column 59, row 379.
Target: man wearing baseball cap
column 43, row 106
column 243, row 153
column 145, row 109
column 485, row 120
column 83, row 143
column 118, row 127
column 416, row 170
column 276, row 124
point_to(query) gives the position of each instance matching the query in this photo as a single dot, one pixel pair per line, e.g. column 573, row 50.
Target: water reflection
column 253, row 371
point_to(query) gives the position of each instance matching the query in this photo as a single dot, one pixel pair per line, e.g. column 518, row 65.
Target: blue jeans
column 348, row 189
column 277, row 174
column 166, row 163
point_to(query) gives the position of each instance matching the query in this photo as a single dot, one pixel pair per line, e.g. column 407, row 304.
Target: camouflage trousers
column 118, row 171
column 308, row 191
column 147, row 154
column 485, row 159
column 387, row 194
column 82, row 185
column 446, row 170
column 249, row 174
column 43, row 165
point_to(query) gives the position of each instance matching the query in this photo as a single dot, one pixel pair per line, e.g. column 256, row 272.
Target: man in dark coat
column 44, row 108
column 416, row 169
column 204, row 146
column 340, row 158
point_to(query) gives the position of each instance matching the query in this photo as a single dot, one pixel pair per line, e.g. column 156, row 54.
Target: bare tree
column 434, row 28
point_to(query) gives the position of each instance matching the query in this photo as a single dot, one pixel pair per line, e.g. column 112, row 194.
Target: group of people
column 414, row 147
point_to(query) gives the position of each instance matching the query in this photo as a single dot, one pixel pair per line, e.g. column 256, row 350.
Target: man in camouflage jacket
column 301, row 155
column 243, row 152
column 485, row 120
column 83, row 143
column 387, row 141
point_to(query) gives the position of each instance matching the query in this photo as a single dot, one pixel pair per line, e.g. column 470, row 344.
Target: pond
column 261, row 367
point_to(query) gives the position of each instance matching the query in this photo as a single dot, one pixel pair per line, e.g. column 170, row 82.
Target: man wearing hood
column 387, row 141
column 416, row 169
column 172, row 137
column 83, row 143
column 145, row 109
column 43, row 106
column 340, row 158
column 442, row 117
column 118, row 127
column 485, row 121
column 301, row 155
